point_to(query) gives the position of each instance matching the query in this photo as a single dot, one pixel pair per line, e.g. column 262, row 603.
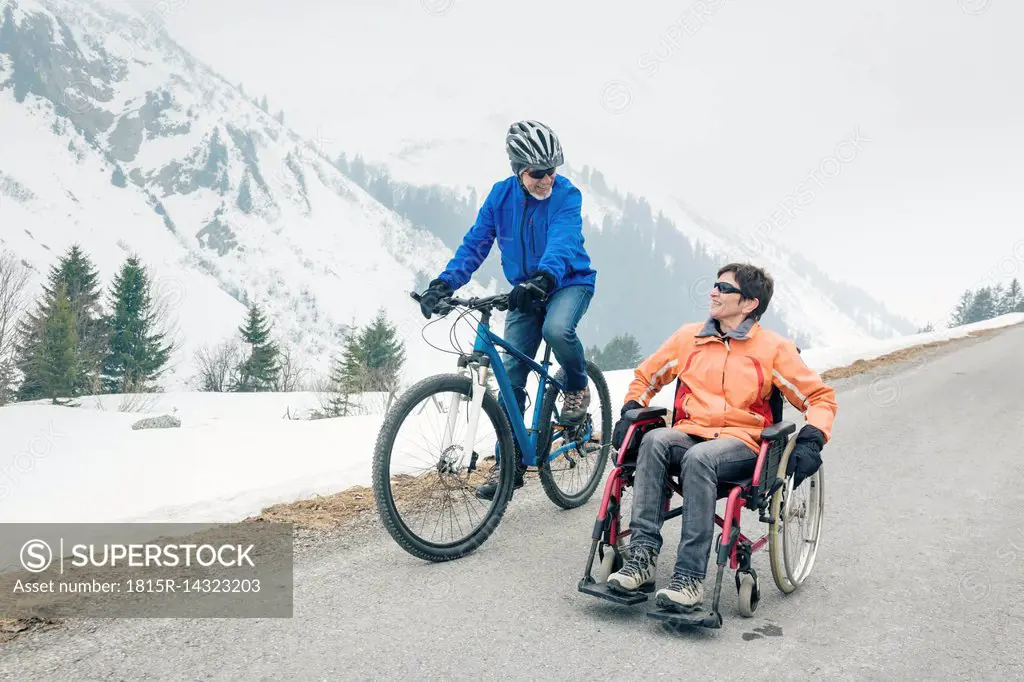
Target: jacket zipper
column 725, row 401
column 522, row 235
column 532, row 233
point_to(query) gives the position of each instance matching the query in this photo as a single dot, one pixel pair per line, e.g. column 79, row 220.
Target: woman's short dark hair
column 755, row 283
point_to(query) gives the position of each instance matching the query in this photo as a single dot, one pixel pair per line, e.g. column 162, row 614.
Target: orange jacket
column 726, row 381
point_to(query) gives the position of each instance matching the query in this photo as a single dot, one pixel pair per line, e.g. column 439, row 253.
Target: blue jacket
column 532, row 236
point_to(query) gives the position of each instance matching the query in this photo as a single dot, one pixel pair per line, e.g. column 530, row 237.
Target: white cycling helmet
column 531, row 144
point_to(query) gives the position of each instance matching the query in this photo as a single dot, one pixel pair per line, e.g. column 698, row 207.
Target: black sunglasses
column 542, row 173
column 727, row 288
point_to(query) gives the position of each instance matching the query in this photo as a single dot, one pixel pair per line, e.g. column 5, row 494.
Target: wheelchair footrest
column 603, row 591
column 701, row 619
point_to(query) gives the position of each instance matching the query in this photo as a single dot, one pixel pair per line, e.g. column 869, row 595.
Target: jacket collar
column 741, row 333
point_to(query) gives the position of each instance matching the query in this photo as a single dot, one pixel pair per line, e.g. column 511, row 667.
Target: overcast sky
column 729, row 105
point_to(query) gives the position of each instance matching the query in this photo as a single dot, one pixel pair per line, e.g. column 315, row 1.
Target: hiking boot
column 487, row 490
column 574, row 409
column 684, row 593
column 638, row 573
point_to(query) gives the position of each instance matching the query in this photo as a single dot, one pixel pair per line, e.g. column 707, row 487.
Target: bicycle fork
column 477, row 373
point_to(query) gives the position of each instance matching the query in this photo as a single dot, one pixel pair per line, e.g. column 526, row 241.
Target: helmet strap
column 517, row 170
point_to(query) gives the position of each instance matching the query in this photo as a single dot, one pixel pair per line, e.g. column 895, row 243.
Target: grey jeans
column 703, row 464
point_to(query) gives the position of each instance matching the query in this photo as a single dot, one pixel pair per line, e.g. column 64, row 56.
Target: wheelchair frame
column 764, row 492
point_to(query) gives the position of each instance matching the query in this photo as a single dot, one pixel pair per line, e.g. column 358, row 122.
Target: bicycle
column 457, row 470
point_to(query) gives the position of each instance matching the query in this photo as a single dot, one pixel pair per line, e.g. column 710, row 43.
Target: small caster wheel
column 749, row 594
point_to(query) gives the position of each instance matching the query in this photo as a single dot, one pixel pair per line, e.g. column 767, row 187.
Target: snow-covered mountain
column 807, row 303
column 114, row 137
column 656, row 257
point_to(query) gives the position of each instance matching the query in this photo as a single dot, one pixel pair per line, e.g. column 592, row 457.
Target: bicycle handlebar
column 499, row 301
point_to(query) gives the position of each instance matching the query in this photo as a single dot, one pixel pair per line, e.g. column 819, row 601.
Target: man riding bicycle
column 728, row 366
column 535, row 215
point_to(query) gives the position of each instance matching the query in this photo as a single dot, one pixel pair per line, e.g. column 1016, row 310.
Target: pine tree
column 342, row 163
column 245, row 202
column 963, row 307
column 1013, row 299
column 357, row 171
column 348, row 377
column 383, row 353
column 8, row 381
column 383, row 357
column 622, row 352
column 371, row 361
column 982, row 307
column 998, row 294
column 80, row 279
column 55, row 362
column 137, row 352
column 258, row 372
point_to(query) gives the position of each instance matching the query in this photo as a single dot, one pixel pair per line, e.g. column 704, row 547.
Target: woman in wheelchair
column 726, row 369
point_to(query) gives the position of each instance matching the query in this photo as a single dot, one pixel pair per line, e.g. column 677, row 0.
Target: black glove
column 806, row 456
column 523, row 297
column 436, row 290
column 621, row 426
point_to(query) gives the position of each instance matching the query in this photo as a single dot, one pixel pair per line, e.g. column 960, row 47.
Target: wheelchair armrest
column 778, row 431
column 639, row 421
column 644, row 413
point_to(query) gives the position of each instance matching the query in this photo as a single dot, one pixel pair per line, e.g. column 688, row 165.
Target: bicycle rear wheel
column 570, row 478
column 421, row 468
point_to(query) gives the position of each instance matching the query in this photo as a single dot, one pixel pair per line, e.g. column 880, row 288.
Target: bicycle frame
column 485, row 355
column 487, row 343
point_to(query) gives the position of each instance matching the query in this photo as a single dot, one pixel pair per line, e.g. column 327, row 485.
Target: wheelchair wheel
column 749, row 593
column 424, row 480
column 571, row 478
column 793, row 537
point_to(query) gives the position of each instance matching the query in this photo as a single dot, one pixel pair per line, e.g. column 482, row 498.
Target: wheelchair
column 768, row 491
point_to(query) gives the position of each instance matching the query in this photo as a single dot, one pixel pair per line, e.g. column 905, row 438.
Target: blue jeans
column 701, row 464
column 556, row 323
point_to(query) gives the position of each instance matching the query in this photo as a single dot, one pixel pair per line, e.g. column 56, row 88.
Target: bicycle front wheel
column 571, row 476
column 424, row 476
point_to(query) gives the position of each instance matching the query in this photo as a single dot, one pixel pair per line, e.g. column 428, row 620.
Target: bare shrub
column 291, row 372
column 217, row 366
column 14, row 280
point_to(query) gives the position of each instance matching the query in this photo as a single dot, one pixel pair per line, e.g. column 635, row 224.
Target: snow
column 824, row 359
column 234, row 454
column 312, row 266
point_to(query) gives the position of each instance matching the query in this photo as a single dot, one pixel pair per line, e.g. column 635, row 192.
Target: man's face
column 539, row 188
column 726, row 305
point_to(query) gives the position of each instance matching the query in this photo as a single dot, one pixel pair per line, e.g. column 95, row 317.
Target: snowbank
column 233, row 455
column 62, row 463
column 824, row 359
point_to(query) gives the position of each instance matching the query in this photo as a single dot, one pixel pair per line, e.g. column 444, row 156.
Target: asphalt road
column 918, row 575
